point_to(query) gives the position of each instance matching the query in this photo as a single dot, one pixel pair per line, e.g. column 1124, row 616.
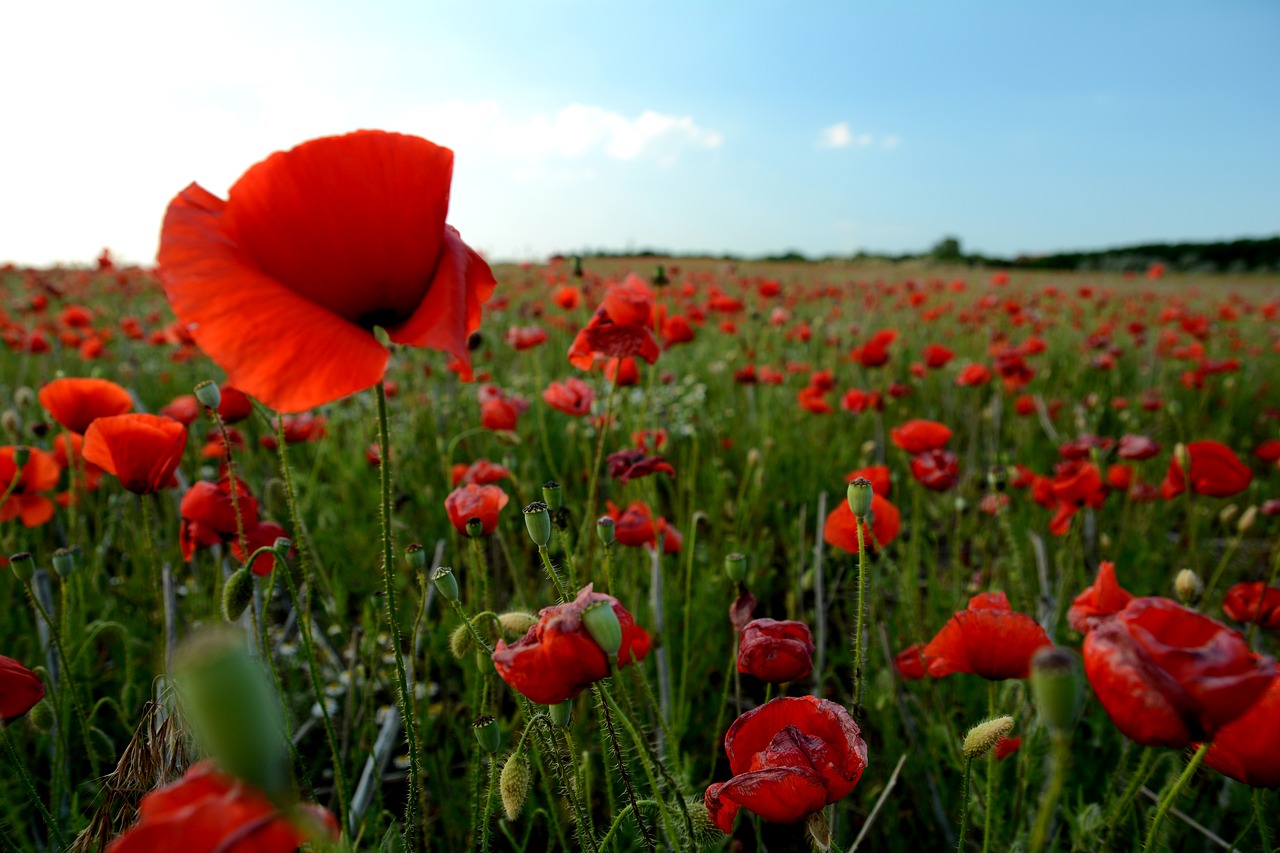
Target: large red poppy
column 789, row 758
column 207, row 811
column 39, row 475
column 20, row 689
column 776, row 651
column 989, row 639
column 572, row 396
column 283, row 283
column 75, row 403
column 1104, row 599
column 919, row 436
column 1215, row 471
column 1169, row 676
column 1254, row 602
column 841, row 528
column 142, row 450
column 558, row 659
column 1248, row 750
column 473, row 501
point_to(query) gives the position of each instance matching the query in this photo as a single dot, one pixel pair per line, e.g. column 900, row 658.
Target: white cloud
column 839, row 135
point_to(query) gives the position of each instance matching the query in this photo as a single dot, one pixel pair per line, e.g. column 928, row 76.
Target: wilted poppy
column 1105, row 598
column 920, row 435
column 620, row 328
column 76, row 403
column 1215, row 471
column 473, row 501
column 1254, row 602
column 282, row 284
column 790, row 758
column 841, row 529
column 1248, row 749
column 142, row 450
column 20, row 689
column 1169, row 676
column 572, row 396
column 633, row 463
column 989, row 639
column 207, row 811
column 557, row 659
column 776, row 651
column 936, row 470
column 39, row 474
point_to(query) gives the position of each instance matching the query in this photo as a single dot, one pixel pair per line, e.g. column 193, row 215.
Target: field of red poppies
column 324, row 534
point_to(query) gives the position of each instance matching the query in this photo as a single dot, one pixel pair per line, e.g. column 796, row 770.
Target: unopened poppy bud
column 237, row 592
column 24, row 397
column 23, row 565
column 21, row 456
column 860, row 495
column 577, row 266
column 416, row 556
column 517, row 623
column 1188, row 586
column 67, row 560
column 818, row 830
column 552, row 495
column 1181, row 456
column 475, row 528
column 282, row 546
column 1247, row 518
column 487, row 733
column 513, row 783
column 537, row 520
column 446, row 583
column 983, row 737
column 208, row 394
column 460, row 641
column 41, row 716
column 1055, row 685
column 1228, row 512
column 484, row 663
column 11, row 422
column 660, row 276
column 962, row 505
column 603, row 626
column 735, row 566
column 561, row 714
column 604, row 529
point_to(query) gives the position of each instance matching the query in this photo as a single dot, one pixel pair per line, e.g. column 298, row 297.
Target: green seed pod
column 860, row 495
column 23, row 565
column 487, row 733
column 735, row 566
column 660, row 276
column 983, row 737
column 416, row 556
column 475, row 528
column 513, row 782
column 602, row 624
column 1056, row 687
column 552, row 495
column 209, row 395
column 237, row 592
column 66, row 561
column 445, row 582
column 21, row 456
column 537, row 520
column 561, row 714
column 605, row 530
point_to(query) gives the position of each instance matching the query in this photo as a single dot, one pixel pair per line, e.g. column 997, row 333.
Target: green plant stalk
column 964, row 805
column 68, row 679
column 1222, row 566
column 404, row 695
column 481, row 568
column 989, row 820
column 717, row 743
column 1170, row 796
column 581, row 814
column 857, row 636
column 1024, row 603
column 607, row 561
column 590, row 518
column 611, row 735
column 552, row 574
column 1146, row 766
column 1262, row 817
column 1061, row 757
column 295, row 520
column 488, row 807
column 231, row 475
column 617, row 821
column 654, row 760
column 20, row 766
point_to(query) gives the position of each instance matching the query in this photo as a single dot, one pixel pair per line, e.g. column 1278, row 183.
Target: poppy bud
column 981, row 738
column 23, row 565
column 603, row 626
column 208, row 394
column 445, row 582
column 67, row 560
column 819, row 831
column 577, row 266
column 460, row 641
column 513, row 783
column 552, row 495
column 604, row 529
column 1055, row 684
column 660, row 276
column 237, row 592
column 282, row 546
column 1247, row 518
column 561, row 713
column 1228, row 512
column 21, row 456
column 537, row 520
column 24, row 397
column 41, row 717
column 475, row 528
column 962, row 505
column 517, row 623
column 487, row 733
column 735, row 566
column 416, row 556
column 1181, row 456
column 860, row 495
column 1188, row 586
column 11, row 422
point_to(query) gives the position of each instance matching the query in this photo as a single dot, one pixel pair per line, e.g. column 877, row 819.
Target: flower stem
column 1170, row 796
column 29, row 785
column 989, row 821
column 857, row 635
column 1061, row 757
column 964, row 805
column 552, row 573
column 1261, row 813
column 231, row 478
column 481, row 568
column 590, row 518
column 646, row 834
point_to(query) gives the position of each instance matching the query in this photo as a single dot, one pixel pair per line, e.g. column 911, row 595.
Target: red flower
column 283, row 283
column 775, row 651
column 1077, row 485
column 1169, row 676
column 482, row 472
column 20, row 689
column 185, row 409
column 676, row 330
column 1104, row 599
column 919, row 435
column 142, row 450
column 1254, row 602
column 572, row 396
column 910, row 663
column 875, row 352
column 814, row 399
column 567, row 297
column 298, row 428
column 1137, row 447
column 472, row 501
column 498, row 410
column 877, row 475
column 76, row 403
column 1007, row 746
column 39, row 475
column 526, row 337
column 631, row 464
column 841, row 529
column 209, row 517
column 235, row 405
column 936, row 470
column 973, row 374
column 557, row 659
column 620, row 328
column 988, row 639
column 936, row 356
column 263, row 535
column 1248, row 750
column 635, row 527
column 789, row 759
column 207, row 811
column 1215, row 471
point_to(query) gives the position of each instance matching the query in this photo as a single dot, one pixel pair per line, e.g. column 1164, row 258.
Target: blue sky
column 726, row 127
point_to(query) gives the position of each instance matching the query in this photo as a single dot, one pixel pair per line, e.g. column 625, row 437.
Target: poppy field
column 321, row 532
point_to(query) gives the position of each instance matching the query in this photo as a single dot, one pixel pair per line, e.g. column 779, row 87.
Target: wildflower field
column 324, row 532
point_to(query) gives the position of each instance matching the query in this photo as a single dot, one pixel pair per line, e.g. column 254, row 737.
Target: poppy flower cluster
column 932, row 465
column 209, row 518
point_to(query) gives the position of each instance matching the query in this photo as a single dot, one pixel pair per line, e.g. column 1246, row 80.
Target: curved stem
column 964, row 805
column 1167, row 801
column 552, row 573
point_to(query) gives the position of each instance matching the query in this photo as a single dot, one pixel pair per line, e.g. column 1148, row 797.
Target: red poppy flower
column 919, row 435
column 76, row 403
column 209, row 516
column 40, row 474
column 526, row 337
column 776, row 651
column 632, row 463
column 500, row 411
column 876, row 475
column 263, row 535
column 973, row 374
column 20, row 689
column 572, row 396
column 1268, row 451
column 1215, row 471
column 1254, row 602
column 185, row 409
column 142, row 450
column 1007, row 746
column 789, row 758
column 1077, row 485
column 88, row 475
column 989, row 639
column 910, row 663
column 482, row 472
column 875, row 352
column 1169, row 676
column 207, row 811
column 568, row 298
column 472, row 501
column 1104, row 599
column 1136, row 447
column 235, row 405
column 283, row 283
column 841, row 529
column 1248, row 750
column 557, row 659
column 742, row 609
column 298, row 428
column 936, row 356
column 635, row 527
column 814, row 399
column 622, row 372
column 937, row 470
column 620, row 328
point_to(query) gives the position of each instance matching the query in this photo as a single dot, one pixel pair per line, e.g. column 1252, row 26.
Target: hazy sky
column 719, row 126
